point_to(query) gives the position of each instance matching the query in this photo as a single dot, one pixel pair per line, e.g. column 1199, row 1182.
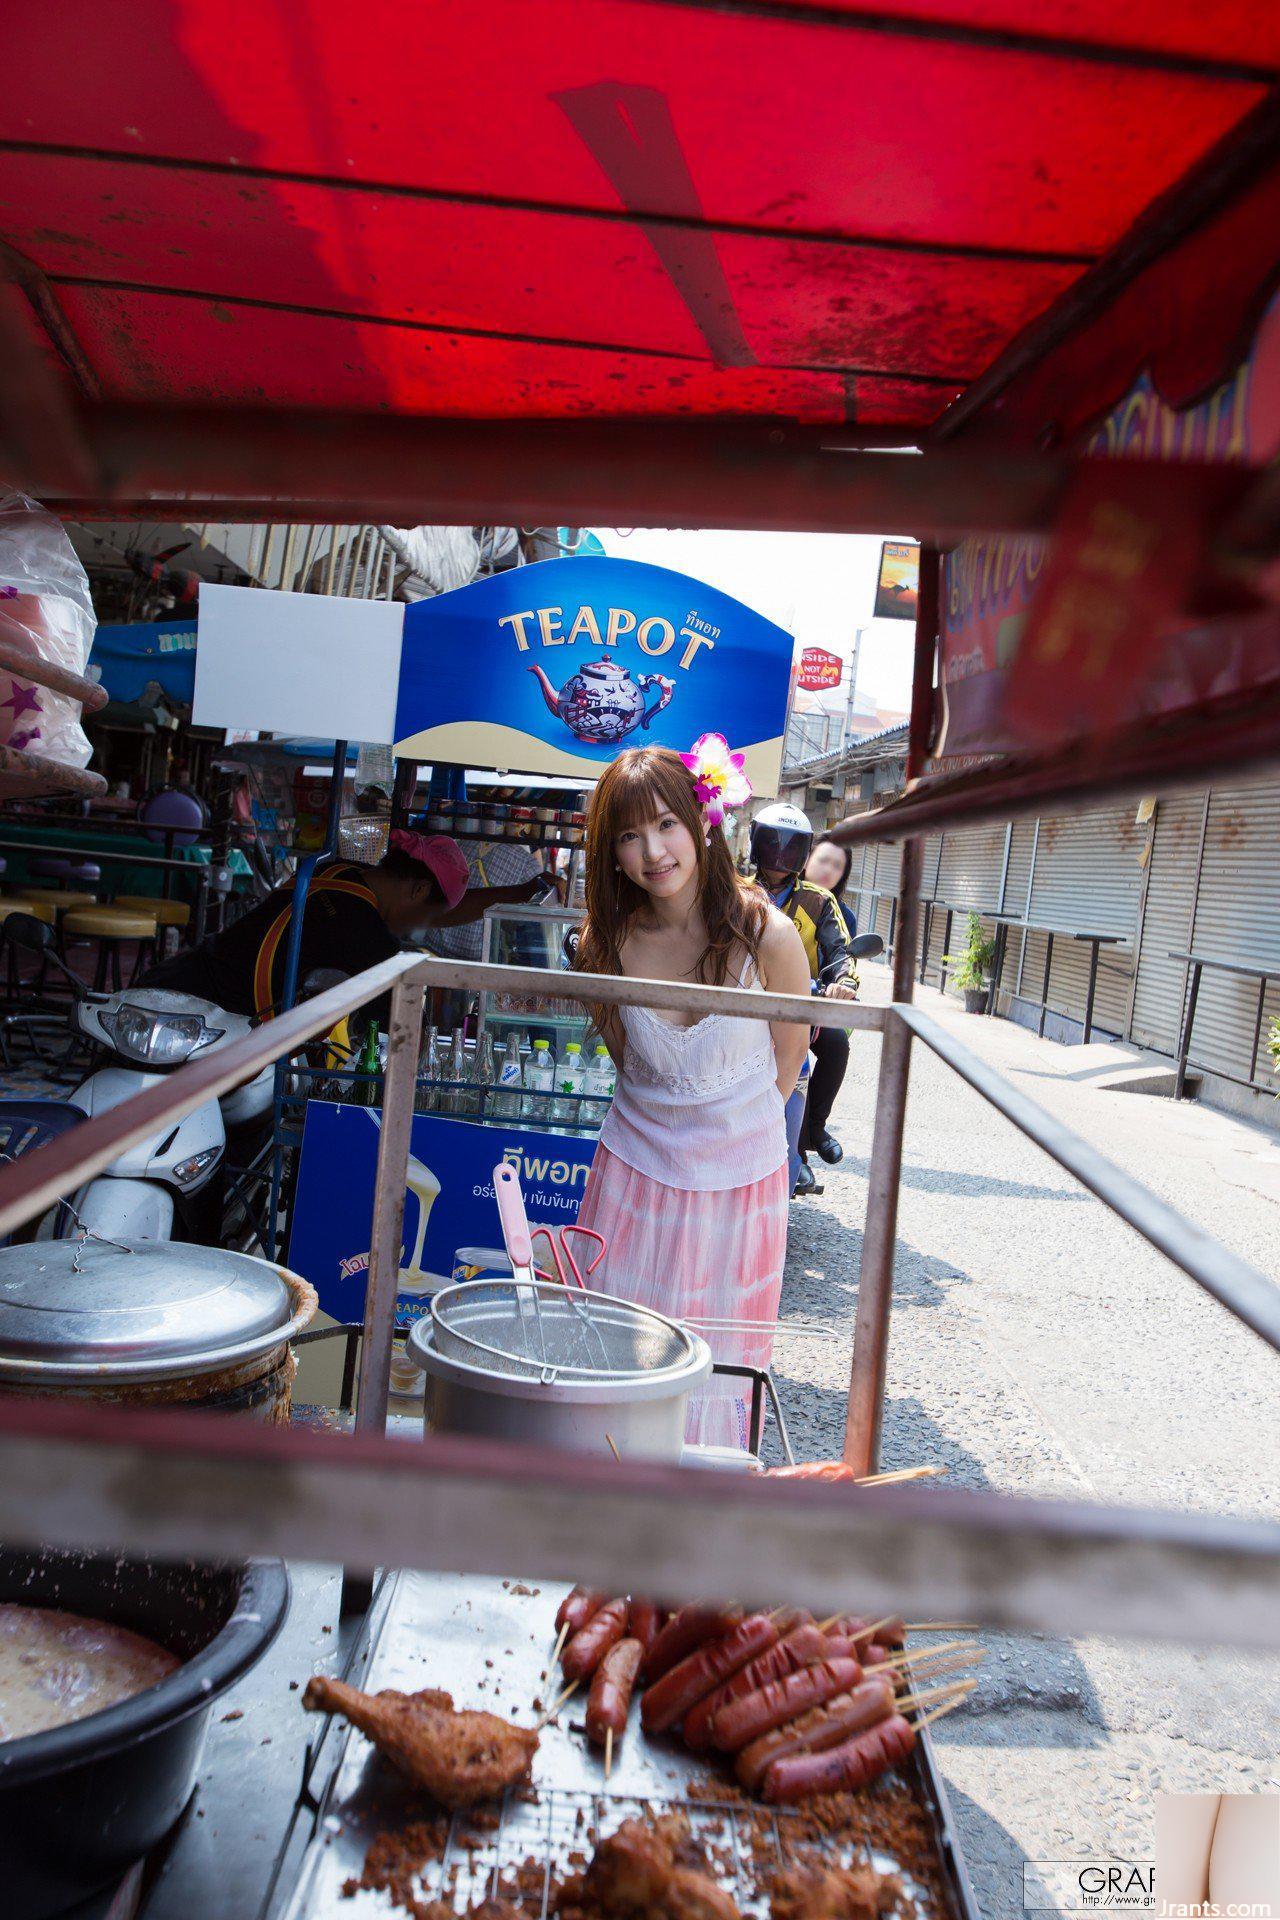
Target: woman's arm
column 784, row 968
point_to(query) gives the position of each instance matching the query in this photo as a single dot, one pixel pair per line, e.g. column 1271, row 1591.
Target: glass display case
column 532, row 936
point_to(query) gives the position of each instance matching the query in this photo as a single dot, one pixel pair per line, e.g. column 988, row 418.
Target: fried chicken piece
column 456, row 1757
column 831, row 1893
column 636, row 1875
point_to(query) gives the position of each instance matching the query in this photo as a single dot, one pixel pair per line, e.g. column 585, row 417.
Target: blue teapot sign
column 556, row 667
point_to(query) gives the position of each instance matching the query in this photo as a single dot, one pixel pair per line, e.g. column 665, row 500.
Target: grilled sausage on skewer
column 814, row 1732
column 798, row 1649
column 590, row 1644
column 852, row 1764
column 669, row 1699
column 610, row 1698
column 684, row 1633
column 577, row 1608
column 772, row 1705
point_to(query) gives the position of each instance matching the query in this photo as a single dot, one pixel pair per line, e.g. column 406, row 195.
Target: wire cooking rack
column 539, row 1840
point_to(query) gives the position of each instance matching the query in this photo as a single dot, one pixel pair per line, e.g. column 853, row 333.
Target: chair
column 111, row 928
column 26, row 927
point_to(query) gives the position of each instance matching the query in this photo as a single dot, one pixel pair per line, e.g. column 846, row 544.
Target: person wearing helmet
column 781, row 842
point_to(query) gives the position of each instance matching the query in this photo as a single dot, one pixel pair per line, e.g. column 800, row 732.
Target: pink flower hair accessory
column 718, row 778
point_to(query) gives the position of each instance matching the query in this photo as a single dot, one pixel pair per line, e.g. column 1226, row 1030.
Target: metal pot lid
column 91, row 1310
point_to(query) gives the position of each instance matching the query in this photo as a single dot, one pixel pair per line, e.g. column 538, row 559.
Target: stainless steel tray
column 490, row 1643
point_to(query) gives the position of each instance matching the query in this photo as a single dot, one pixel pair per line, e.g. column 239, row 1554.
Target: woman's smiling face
column 659, row 855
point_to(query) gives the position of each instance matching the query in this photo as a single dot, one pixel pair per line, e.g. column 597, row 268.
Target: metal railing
column 182, row 1483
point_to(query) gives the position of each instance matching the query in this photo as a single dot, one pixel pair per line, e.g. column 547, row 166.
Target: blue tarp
column 130, row 656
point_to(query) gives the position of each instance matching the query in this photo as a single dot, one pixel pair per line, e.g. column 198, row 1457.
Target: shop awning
column 635, row 210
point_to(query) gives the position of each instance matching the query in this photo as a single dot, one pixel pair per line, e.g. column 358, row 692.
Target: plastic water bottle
column 569, row 1077
column 540, row 1079
column 506, row 1101
column 601, row 1078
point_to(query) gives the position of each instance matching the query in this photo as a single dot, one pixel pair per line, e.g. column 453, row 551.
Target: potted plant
column 972, row 968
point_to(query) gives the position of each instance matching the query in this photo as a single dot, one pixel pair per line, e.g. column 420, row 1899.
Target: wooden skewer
column 930, row 1653
column 556, row 1705
column 946, row 1665
column 958, row 1687
column 942, row 1626
column 936, row 1713
column 563, row 1636
column 608, row 1752
column 864, row 1633
column 895, row 1474
column 963, row 1652
column 613, row 1447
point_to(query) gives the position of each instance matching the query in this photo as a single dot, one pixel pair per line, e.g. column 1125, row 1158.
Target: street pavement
column 1038, row 1346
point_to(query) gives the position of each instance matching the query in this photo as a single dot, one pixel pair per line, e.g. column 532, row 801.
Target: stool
column 172, row 918
column 86, row 872
column 166, row 913
column 111, row 928
column 46, row 866
column 59, row 898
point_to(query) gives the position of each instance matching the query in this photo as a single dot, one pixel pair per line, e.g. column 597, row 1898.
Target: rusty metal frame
column 181, row 1483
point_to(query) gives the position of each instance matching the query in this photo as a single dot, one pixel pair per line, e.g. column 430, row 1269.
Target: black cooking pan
column 81, row 1803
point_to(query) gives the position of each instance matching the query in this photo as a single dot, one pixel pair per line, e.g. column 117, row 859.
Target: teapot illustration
column 602, row 704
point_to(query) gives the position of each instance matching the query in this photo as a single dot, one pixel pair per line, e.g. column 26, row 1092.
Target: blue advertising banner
column 554, row 668
column 449, row 1201
column 129, row 657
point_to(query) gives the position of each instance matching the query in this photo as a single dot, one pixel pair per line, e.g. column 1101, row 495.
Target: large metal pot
column 80, row 1803
column 626, row 1377
column 158, row 1323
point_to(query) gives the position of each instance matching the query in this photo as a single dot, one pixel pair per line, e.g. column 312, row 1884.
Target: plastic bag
column 46, row 611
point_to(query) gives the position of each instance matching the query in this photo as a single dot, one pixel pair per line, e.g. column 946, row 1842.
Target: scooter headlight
column 156, row 1039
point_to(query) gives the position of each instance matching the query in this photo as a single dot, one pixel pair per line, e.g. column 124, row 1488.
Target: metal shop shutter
column 930, row 866
column 1166, row 922
column 972, row 861
column 1087, row 878
column 1017, row 880
column 1237, row 918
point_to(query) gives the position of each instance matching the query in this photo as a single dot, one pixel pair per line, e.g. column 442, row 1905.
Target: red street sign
column 819, row 669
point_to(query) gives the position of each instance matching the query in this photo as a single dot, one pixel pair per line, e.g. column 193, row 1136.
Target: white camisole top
column 697, row 1107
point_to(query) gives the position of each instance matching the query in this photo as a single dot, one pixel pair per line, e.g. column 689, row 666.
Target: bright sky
column 820, row 586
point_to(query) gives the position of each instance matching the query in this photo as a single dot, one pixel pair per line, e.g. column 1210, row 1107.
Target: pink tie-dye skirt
column 714, row 1260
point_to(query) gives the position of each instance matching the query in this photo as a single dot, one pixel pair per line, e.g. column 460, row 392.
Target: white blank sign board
column 304, row 663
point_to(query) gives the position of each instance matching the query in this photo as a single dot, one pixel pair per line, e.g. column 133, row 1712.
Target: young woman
column 828, row 866
column 689, row 1182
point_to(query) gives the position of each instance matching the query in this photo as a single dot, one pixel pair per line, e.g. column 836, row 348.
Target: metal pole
column 1251, row 1296
column 1184, row 1044
column 875, row 1273
column 404, row 1038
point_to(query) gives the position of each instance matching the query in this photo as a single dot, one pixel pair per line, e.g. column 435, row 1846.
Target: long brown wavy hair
column 639, row 785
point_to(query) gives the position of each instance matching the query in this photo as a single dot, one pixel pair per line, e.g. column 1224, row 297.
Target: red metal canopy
column 622, row 208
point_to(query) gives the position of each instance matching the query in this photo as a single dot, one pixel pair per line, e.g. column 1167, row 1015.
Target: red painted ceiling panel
column 160, row 347
column 778, row 121
column 800, row 303
column 1228, row 32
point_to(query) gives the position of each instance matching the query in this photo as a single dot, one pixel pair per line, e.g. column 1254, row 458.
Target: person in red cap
column 354, row 918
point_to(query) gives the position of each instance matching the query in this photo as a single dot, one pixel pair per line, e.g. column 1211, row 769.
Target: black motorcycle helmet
column 781, row 839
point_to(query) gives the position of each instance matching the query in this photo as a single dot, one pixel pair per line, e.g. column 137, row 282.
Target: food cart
column 966, row 231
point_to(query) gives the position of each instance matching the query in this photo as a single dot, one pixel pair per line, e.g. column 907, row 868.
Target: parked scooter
column 171, row 1185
